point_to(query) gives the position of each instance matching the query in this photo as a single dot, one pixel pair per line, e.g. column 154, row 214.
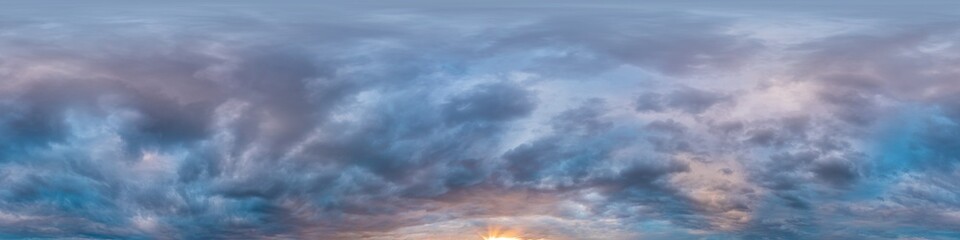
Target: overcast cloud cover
column 444, row 119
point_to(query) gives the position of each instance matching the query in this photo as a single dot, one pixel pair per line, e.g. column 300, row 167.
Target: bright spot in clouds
column 500, row 238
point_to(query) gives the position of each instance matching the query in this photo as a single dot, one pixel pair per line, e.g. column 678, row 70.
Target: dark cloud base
column 438, row 120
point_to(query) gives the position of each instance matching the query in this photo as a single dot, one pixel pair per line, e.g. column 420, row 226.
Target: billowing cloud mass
column 445, row 120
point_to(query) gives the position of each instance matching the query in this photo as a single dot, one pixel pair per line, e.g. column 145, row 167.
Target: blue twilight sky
column 558, row 120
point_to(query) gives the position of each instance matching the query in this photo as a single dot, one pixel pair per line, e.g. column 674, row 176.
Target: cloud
column 372, row 121
column 493, row 102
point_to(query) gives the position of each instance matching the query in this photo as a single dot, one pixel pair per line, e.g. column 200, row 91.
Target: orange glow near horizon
column 497, row 233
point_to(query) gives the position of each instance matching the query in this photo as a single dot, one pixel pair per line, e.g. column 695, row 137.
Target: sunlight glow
column 500, row 238
column 497, row 233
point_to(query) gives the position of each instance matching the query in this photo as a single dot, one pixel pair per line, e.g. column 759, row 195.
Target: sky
column 460, row 120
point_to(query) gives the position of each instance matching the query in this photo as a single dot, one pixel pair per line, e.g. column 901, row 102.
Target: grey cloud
column 586, row 118
column 643, row 176
column 684, row 99
column 493, row 102
column 693, row 100
column 649, row 102
column 527, row 161
column 668, row 136
column 836, row 172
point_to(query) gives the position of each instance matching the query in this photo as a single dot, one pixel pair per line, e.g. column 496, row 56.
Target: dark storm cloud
column 372, row 121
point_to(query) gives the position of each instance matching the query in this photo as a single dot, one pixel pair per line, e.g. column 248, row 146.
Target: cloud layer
column 440, row 120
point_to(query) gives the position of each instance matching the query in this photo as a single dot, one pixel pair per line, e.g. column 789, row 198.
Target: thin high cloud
column 440, row 120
